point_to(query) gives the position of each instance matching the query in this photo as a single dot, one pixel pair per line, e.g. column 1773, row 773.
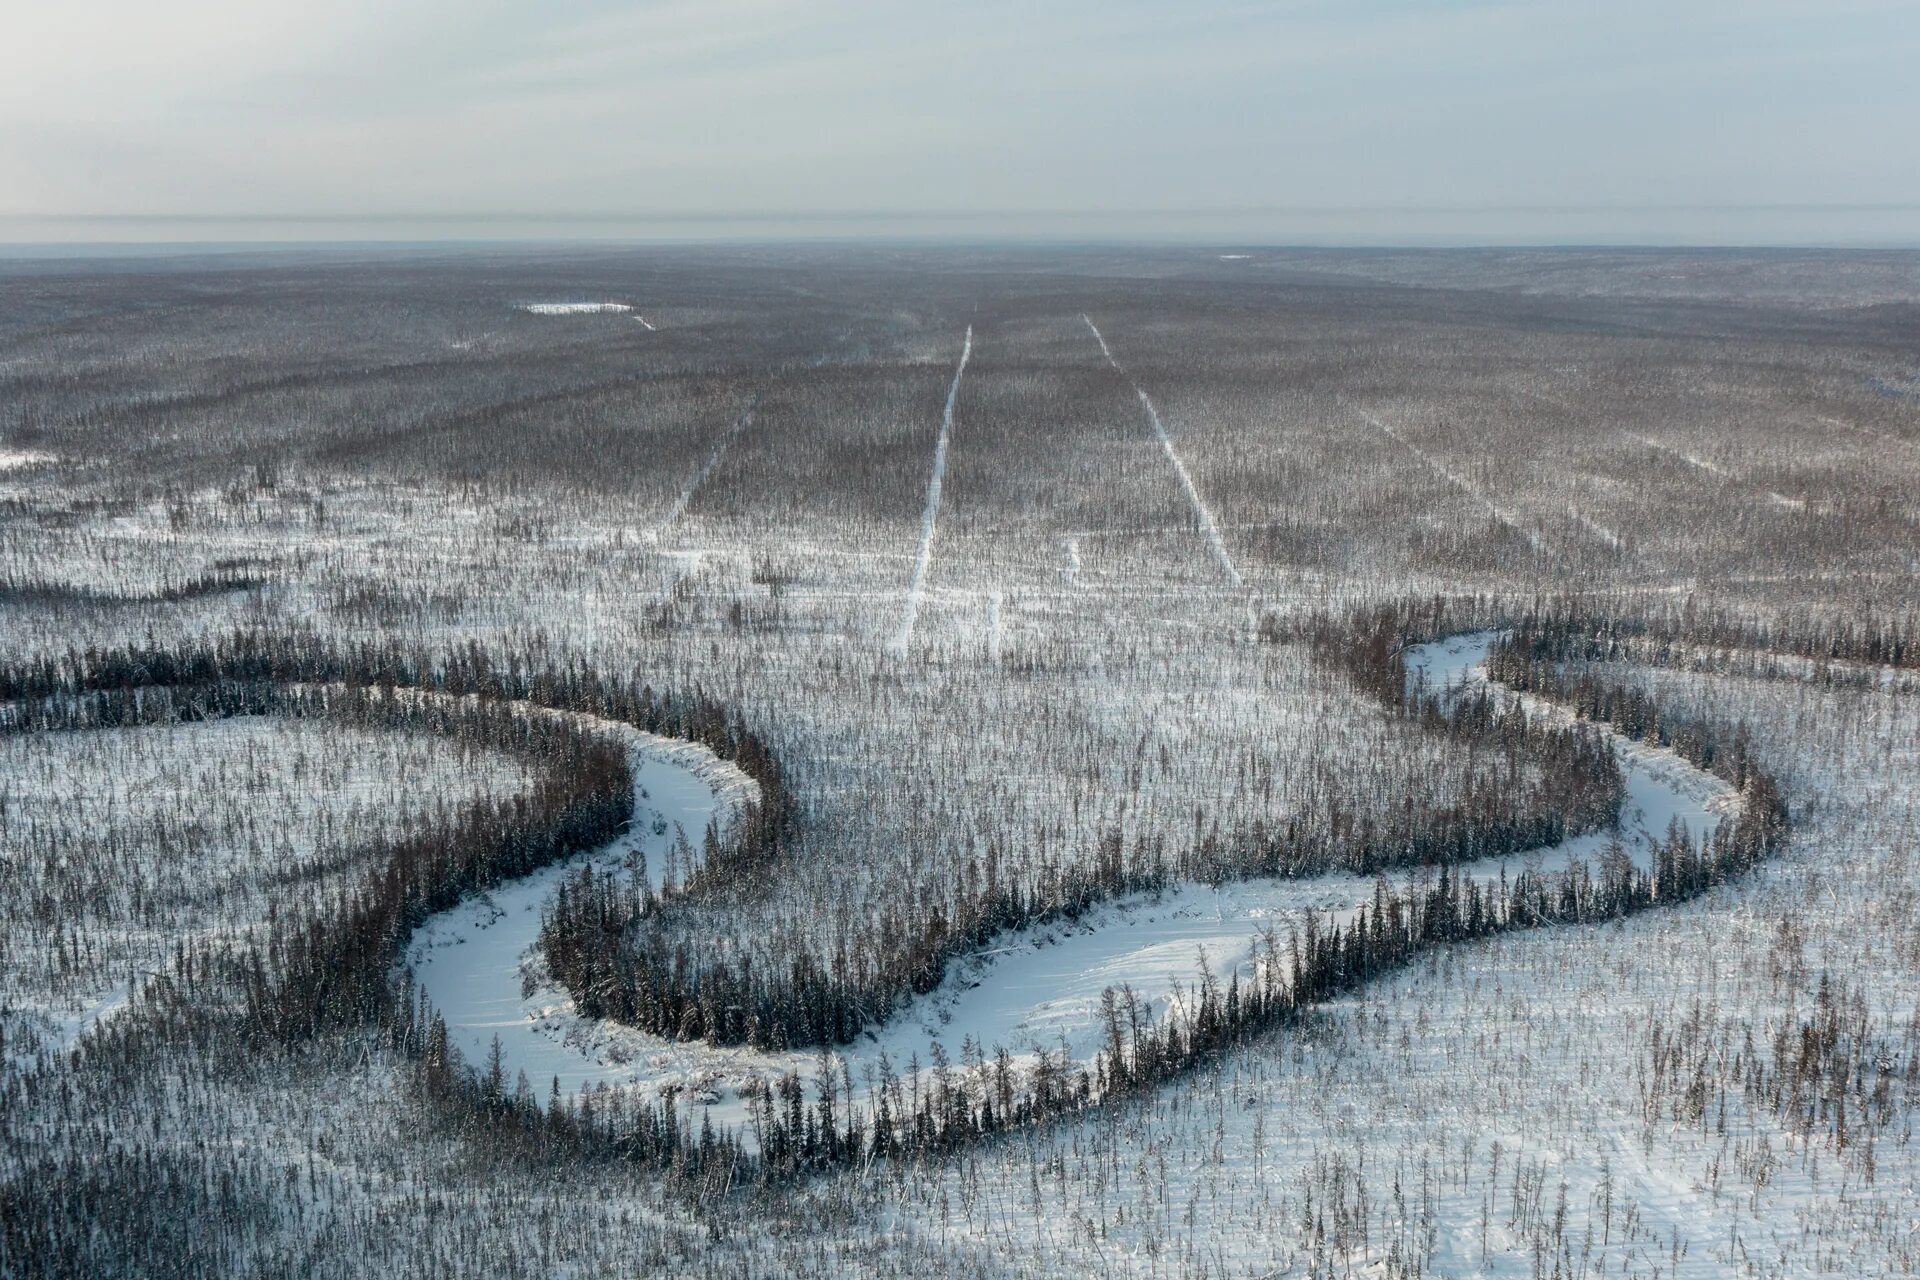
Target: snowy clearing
column 20, row 459
column 574, row 308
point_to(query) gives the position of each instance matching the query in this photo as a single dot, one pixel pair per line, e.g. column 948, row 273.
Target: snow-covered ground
column 1501, row 1109
column 504, row 494
column 477, row 964
column 1032, row 991
column 18, row 459
column 146, row 838
column 574, row 308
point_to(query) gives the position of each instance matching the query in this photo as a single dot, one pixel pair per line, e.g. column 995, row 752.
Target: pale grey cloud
column 357, row 110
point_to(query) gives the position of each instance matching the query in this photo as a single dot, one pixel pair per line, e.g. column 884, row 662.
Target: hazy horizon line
column 926, row 212
column 1483, row 225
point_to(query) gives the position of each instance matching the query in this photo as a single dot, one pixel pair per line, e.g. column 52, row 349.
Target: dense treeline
column 942, row 1104
column 330, row 963
column 130, row 1210
column 937, row 1106
column 1536, row 661
column 328, row 966
column 122, row 843
column 1552, row 781
column 1664, row 632
column 270, row 658
column 17, row 589
column 1563, row 782
column 332, row 966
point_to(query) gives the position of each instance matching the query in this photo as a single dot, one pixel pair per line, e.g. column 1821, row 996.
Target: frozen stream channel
column 1034, row 990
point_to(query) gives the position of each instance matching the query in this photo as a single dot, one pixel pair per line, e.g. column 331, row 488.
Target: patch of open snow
column 574, row 308
column 48, row 1030
column 19, row 459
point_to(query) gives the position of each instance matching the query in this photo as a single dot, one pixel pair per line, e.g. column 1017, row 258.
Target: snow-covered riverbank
column 1035, row 990
column 478, row 965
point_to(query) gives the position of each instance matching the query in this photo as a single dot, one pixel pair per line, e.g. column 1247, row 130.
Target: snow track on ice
column 478, row 962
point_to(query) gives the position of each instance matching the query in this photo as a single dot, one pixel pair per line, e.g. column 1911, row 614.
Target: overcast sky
column 1409, row 120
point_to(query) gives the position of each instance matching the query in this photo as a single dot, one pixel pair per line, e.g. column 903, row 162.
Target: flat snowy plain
column 1152, row 468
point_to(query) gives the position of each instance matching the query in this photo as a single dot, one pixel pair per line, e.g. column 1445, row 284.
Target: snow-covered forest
column 984, row 763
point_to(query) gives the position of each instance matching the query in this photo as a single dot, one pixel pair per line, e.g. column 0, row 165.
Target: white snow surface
column 20, row 459
column 284, row 802
column 929, row 518
column 1032, row 991
column 472, row 962
column 574, row 308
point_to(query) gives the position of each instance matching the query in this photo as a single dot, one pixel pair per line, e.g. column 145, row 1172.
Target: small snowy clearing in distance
column 572, row 308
